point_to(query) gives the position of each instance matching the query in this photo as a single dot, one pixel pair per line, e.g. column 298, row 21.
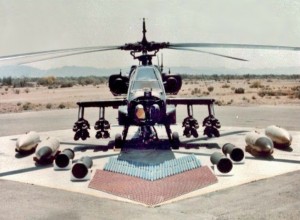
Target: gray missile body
column 27, row 142
column 81, row 168
column 223, row 164
column 236, row 154
column 46, row 151
column 63, row 159
column 259, row 144
column 280, row 137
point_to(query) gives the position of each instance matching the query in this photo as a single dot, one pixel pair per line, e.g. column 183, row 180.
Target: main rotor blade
column 242, row 46
column 80, row 49
column 206, row 52
column 64, row 55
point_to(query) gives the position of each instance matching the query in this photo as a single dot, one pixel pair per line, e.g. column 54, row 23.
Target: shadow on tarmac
column 25, row 170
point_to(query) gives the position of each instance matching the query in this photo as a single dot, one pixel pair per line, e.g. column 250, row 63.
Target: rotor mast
column 145, row 58
column 144, row 47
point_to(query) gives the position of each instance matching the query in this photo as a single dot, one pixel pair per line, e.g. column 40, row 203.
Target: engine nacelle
column 118, row 84
column 172, row 83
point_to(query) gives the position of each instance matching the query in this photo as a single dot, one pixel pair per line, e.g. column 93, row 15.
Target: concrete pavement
column 23, row 169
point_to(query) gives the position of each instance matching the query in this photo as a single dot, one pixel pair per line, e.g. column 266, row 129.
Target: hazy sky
column 35, row 25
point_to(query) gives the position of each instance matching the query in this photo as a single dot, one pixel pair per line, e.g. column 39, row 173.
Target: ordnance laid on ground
column 80, row 168
column 258, row 144
column 281, row 138
column 28, row 142
column 63, row 159
column 46, row 151
column 236, row 154
column 223, row 164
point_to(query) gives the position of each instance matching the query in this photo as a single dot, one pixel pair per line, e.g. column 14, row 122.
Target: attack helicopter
column 146, row 89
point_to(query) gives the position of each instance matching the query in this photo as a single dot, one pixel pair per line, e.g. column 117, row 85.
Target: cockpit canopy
column 146, row 78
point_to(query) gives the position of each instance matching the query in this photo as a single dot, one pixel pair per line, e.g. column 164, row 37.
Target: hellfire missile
column 236, row 154
column 46, row 151
column 27, row 142
column 63, row 159
column 223, row 164
column 281, row 138
column 259, row 144
column 81, row 168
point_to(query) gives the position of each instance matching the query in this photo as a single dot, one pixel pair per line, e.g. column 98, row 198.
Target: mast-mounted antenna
column 144, row 40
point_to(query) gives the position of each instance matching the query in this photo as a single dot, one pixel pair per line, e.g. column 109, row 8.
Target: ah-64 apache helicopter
column 147, row 87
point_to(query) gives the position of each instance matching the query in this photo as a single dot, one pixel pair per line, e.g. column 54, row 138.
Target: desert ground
column 237, row 92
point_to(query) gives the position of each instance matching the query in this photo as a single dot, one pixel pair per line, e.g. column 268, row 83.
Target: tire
column 118, row 141
column 175, row 141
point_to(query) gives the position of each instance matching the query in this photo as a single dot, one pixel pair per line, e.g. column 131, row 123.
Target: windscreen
column 146, row 78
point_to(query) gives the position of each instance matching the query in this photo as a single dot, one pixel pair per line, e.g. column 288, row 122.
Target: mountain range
column 76, row 71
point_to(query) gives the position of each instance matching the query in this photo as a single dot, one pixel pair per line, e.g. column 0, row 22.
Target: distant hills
column 66, row 71
column 76, row 71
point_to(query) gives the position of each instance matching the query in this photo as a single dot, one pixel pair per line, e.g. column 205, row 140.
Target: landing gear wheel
column 118, row 141
column 175, row 141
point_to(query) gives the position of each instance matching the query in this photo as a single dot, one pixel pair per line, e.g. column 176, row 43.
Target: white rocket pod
column 259, row 144
column 47, row 150
column 280, row 137
column 27, row 142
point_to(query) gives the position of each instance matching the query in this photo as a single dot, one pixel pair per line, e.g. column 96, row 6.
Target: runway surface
column 229, row 198
column 251, row 116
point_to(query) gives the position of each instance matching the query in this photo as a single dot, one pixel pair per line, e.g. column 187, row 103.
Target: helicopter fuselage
column 146, row 99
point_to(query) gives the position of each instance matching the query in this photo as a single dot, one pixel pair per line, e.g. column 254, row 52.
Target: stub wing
column 190, row 123
column 102, row 126
column 190, row 101
column 115, row 103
